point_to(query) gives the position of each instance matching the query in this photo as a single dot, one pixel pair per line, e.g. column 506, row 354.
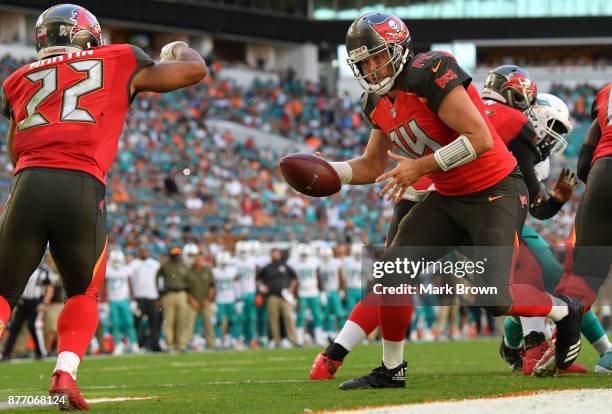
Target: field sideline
column 276, row 381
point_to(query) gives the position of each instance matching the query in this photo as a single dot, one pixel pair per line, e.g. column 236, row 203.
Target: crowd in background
column 176, row 181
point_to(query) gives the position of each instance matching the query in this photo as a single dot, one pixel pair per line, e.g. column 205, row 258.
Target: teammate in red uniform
column 593, row 224
column 66, row 113
column 508, row 94
column 427, row 107
column 589, row 263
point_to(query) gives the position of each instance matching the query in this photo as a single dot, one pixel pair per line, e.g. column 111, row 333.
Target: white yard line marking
column 542, row 401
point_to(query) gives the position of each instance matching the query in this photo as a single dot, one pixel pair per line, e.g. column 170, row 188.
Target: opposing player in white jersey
column 262, row 259
column 119, row 299
column 330, row 272
column 256, row 251
column 351, row 269
column 247, row 265
column 226, row 278
column 306, row 267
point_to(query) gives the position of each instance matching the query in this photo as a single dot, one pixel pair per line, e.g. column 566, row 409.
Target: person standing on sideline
column 202, row 297
column 277, row 281
column 143, row 277
column 32, row 303
column 173, row 277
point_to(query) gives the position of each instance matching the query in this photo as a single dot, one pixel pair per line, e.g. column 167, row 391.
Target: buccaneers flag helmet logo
column 393, row 30
column 85, row 21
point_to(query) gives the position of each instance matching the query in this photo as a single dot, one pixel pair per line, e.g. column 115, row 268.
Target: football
column 310, row 175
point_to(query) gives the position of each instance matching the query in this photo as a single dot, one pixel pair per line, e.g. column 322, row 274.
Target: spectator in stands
column 194, row 202
column 277, row 281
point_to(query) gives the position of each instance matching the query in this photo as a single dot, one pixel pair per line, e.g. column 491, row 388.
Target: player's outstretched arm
column 180, row 66
column 365, row 169
column 586, row 152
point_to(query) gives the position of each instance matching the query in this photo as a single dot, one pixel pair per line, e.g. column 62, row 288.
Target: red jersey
column 509, row 123
column 412, row 124
column 69, row 110
column 602, row 111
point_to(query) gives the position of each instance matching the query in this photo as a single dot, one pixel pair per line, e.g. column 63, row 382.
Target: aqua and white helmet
column 326, row 253
column 223, row 259
column 116, row 258
column 550, row 117
column 304, row 250
column 242, row 249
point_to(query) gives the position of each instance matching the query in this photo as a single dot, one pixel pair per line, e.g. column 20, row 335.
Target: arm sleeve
column 438, row 77
column 5, row 107
column 584, row 161
column 594, row 110
column 527, row 134
column 526, row 160
column 142, row 61
column 586, row 151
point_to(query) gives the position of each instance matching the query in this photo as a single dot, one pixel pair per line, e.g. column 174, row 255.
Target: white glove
column 542, row 169
column 134, row 308
column 288, row 296
column 167, row 52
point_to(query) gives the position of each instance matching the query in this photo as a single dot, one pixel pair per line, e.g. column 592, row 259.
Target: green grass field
column 271, row 381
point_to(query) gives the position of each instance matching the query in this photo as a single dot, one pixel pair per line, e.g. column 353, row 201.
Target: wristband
column 455, row 154
column 344, row 170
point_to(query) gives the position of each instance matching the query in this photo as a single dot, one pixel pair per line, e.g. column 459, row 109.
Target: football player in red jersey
column 363, row 319
column 66, row 113
column 509, row 94
column 426, row 107
column 587, row 266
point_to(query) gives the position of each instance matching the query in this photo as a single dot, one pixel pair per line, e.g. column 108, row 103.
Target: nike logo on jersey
column 492, row 198
column 435, row 68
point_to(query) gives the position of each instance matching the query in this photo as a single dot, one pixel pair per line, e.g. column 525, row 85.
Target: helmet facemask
column 550, row 131
column 374, row 81
column 553, row 141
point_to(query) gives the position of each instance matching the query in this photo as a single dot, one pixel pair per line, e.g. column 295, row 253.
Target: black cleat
column 380, row 377
column 567, row 345
column 512, row 356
